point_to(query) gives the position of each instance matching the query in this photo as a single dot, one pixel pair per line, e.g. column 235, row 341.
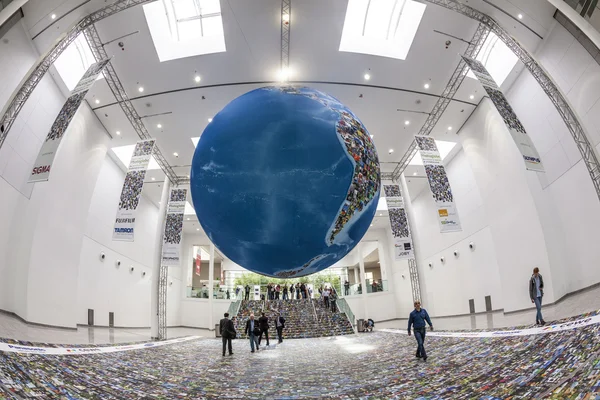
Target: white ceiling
column 252, row 36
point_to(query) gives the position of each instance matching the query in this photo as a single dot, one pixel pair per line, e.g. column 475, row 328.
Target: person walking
column 332, row 299
column 279, row 325
column 277, row 292
column 263, row 325
column 417, row 319
column 269, row 287
column 326, row 297
column 536, row 292
column 247, row 289
column 285, row 292
column 297, row 291
column 346, row 288
column 227, row 331
column 251, row 329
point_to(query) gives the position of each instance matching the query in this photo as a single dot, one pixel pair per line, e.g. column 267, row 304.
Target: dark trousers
column 280, row 333
column 346, row 290
column 276, row 295
column 285, row 295
column 266, row 332
column 326, row 300
column 333, row 306
column 227, row 342
column 420, row 336
column 247, row 295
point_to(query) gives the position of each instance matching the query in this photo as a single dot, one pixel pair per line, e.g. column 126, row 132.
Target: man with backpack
column 227, row 331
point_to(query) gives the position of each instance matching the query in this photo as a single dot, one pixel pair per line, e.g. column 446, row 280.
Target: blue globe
column 285, row 181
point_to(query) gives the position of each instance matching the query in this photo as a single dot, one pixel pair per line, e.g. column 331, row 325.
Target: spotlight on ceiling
column 286, row 17
column 141, row 89
column 367, row 77
column 471, row 97
column 176, row 154
column 426, row 86
column 391, row 151
column 118, row 133
column 284, row 74
column 159, row 126
column 210, row 120
column 449, row 128
column 197, row 78
column 414, row 174
column 53, row 16
column 407, row 122
column 197, row 229
column 371, row 136
column 97, row 101
column 153, row 178
column 188, row 218
column 520, row 16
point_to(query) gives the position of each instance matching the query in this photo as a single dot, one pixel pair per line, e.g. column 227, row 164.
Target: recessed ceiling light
column 367, row 77
column 188, row 219
column 414, row 173
column 371, row 136
column 471, row 97
column 407, row 122
column 197, row 229
column 141, row 89
column 97, row 101
column 520, row 16
column 159, row 126
column 426, row 86
column 118, row 133
column 380, row 214
column 53, row 16
column 197, row 78
column 210, row 120
column 371, row 224
column 286, row 17
column 176, row 154
column 391, row 150
column 449, row 128
column 153, row 178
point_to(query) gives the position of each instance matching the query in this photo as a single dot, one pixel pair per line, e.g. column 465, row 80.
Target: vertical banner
column 256, row 292
column 132, row 190
column 438, row 182
column 43, row 162
column 171, row 249
column 403, row 247
column 516, row 129
column 198, row 262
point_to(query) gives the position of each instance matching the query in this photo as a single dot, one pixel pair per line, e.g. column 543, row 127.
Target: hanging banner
column 198, row 262
column 516, row 129
column 171, row 249
column 403, row 247
column 43, row 163
column 438, row 182
column 132, row 190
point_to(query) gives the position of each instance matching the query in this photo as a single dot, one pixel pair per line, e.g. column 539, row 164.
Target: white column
column 211, row 276
column 363, row 280
column 382, row 261
column 356, row 277
column 160, row 227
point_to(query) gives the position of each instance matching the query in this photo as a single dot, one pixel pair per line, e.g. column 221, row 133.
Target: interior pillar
column 160, row 225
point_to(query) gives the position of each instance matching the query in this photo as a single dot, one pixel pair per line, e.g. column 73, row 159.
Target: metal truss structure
column 548, row 85
column 163, row 276
column 440, row 106
column 286, row 8
column 414, row 279
column 19, row 97
column 93, row 39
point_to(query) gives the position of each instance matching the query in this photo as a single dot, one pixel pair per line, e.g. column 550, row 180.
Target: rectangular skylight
column 497, row 58
column 185, row 28
column 124, row 154
column 383, row 28
column 443, row 147
column 74, row 61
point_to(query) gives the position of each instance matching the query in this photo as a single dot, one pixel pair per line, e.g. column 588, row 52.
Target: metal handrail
column 344, row 307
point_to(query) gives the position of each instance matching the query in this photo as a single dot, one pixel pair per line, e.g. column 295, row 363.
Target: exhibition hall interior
column 299, row 199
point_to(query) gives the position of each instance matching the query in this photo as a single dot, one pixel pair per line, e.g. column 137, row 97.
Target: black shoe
column 223, row 354
column 230, row 354
column 251, row 351
column 418, row 355
column 425, row 358
column 542, row 322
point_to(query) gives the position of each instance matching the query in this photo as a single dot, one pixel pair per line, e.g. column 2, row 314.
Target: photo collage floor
column 378, row 365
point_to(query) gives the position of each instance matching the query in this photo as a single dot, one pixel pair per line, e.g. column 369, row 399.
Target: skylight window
column 443, row 147
column 74, row 61
column 383, row 28
column 124, row 154
column 185, row 28
column 497, row 58
column 195, row 141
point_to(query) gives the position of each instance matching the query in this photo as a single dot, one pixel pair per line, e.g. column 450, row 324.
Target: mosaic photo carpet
column 378, row 365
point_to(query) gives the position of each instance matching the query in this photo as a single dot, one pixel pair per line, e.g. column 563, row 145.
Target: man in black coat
column 263, row 324
column 279, row 325
column 226, row 328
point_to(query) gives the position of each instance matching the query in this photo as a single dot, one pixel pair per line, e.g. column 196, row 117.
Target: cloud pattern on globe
column 285, row 181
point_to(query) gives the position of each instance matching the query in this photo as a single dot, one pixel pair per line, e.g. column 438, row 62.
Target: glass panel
column 210, row 7
column 212, row 26
column 189, row 29
column 185, row 8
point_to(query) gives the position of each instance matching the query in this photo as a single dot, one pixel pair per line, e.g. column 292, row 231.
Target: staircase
column 305, row 318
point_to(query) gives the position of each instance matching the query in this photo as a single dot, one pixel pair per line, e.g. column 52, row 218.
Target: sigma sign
column 41, row 170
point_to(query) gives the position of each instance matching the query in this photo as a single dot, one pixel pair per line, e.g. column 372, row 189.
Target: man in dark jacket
column 417, row 319
column 252, row 331
column 279, row 325
column 226, row 328
column 247, row 290
column 536, row 292
column 263, row 324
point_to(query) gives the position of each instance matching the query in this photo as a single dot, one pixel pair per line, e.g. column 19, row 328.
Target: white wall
column 51, row 233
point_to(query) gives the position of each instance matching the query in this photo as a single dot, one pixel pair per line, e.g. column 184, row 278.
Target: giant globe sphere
column 285, row 181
